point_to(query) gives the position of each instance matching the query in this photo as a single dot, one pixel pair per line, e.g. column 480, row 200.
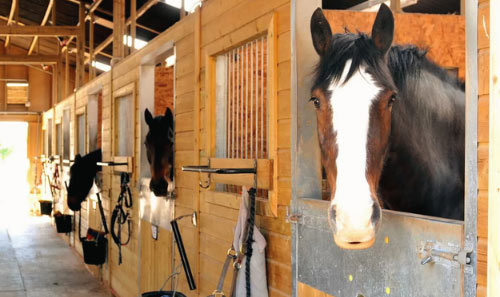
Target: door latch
column 435, row 252
column 291, row 218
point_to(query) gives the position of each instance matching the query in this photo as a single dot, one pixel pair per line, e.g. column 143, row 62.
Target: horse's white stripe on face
column 351, row 102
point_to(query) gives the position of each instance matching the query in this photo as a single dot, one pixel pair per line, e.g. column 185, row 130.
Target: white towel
column 258, row 276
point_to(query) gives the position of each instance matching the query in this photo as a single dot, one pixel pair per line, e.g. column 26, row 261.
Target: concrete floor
column 35, row 262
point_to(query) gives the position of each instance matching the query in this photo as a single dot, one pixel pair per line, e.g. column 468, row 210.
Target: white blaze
column 351, row 102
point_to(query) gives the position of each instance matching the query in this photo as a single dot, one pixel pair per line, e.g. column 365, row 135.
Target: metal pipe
column 111, row 163
column 246, row 103
column 182, row 253
column 207, row 169
column 251, row 99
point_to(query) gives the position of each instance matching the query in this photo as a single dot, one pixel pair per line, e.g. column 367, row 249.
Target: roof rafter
column 44, row 21
column 13, row 8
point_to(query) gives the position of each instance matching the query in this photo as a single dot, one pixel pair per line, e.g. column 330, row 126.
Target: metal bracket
column 435, row 252
column 291, row 218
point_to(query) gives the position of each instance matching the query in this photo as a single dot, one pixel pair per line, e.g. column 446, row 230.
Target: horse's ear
column 169, row 116
column 383, row 29
column 148, row 116
column 320, row 32
column 78, row 158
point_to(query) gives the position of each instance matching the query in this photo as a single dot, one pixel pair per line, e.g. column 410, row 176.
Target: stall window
column 94, row 118
column 124, row 125
column 49, row 137
column 66, row 135
column 80, row 132
column 58, row 139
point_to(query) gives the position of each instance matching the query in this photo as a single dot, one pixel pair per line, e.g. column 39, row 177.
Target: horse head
column 353, row 93
column 160, row 151
column 82, row 174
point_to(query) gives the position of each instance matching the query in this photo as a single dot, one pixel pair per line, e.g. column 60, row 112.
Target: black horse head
column 160, row 151
column 82, row 174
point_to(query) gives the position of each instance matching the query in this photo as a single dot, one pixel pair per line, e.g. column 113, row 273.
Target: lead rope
column 249, row 248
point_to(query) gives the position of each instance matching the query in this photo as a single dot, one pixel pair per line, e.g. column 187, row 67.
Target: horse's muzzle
column 74, row 203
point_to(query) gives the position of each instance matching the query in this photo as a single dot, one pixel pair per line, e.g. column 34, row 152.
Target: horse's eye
column 316, row 101
column 391, row 100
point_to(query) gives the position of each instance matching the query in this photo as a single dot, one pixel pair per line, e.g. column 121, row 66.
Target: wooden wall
column 483, row 147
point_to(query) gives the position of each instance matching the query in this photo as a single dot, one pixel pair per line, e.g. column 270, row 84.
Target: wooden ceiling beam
column 144, row 8
column 44, row 21
column 39, row 30
column 13, row 8
column 22, row 59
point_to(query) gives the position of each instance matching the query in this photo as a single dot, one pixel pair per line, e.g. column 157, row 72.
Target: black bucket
column 45, row 207
column 162, row 294
column 95, row 249
column 64, row 223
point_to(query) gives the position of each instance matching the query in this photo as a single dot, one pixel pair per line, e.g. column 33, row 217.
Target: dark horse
column 82, row 174
column 160, row 151
column 390, row 128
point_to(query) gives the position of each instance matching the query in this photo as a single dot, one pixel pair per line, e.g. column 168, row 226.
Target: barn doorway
column 14, row 168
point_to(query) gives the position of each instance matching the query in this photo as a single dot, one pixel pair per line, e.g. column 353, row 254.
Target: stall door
column 413, row 255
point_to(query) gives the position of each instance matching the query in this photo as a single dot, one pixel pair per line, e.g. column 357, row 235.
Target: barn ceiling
column 31, row 12
column 155, row 20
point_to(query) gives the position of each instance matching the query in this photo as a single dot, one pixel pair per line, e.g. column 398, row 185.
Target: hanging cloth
column 256, row 271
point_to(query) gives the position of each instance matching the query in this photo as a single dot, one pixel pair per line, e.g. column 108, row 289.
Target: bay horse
column 160, row 151
column 390, row 127
column 82, row 174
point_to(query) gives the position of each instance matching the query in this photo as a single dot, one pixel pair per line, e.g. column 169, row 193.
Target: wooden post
column 494, row 155
column 91, row 47
column 118, row 30
column 396, row 5
column 133, row 24
column 66, row 73
column 80, row 50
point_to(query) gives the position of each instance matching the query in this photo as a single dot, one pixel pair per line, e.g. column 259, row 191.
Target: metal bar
column 471, row 183
column 207, row 169
column 233, row 104
column 252, row 155
column 108, row 164
column 228, row 109
column 242, row 61
column 262, row 98
column 238, row 78
column 246, row 102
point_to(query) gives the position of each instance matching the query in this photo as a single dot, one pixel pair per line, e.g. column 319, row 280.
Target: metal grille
column 241, row 92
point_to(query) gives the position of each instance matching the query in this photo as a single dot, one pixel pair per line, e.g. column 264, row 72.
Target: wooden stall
column 226, row 31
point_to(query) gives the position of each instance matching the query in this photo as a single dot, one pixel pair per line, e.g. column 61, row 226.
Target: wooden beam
column 66, row 74
column 133, row 25
column 13, row 8
column 80, row 67
column 44, row 21
column 21, row 60
column 91, row 46
column 39, row 31
column 145, row 7
column 118, row 29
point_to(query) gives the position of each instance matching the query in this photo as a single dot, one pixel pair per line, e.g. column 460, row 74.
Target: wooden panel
column 443, row 35
column 304, row 290
column 494, row 156
column 264, row 172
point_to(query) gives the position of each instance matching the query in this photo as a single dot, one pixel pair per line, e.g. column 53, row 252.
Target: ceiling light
column 189, row 5
column 101, row 66
column 17, row 84
column 139, row 43
column 170, row 61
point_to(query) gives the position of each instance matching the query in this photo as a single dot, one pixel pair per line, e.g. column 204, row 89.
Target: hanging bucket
column 45, row 207
column 63, row 223
column 95, row 247
column 162, row 294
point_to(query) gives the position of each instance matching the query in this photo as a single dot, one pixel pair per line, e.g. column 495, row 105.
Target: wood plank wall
column 483, row 139
column 222, row 21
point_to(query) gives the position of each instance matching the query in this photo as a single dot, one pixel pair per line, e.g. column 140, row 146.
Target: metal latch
column 291, row 218
column 435, row 252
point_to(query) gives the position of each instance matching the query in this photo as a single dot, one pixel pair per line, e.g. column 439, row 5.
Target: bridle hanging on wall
column 120, row 216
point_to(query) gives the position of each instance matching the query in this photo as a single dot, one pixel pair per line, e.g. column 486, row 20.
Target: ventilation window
column 17, row 93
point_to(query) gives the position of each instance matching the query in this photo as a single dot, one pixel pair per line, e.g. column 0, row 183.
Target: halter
column 120, row 216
